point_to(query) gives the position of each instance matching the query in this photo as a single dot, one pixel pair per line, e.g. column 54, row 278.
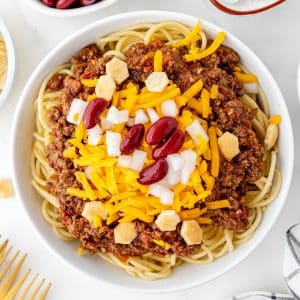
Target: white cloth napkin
column 291, row 271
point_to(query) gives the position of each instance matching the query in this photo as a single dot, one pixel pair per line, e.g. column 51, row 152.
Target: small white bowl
column 187, row 275
column 72, row 12
column 11, row 64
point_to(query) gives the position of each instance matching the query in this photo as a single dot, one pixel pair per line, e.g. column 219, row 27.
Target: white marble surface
column 273, row 35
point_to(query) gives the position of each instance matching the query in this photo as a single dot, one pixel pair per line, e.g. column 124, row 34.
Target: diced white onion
column 117, row 116
column 94, row 135
column 131, row 122
column 173, row 177
column 76, row 111
column 251, row 87
column 113, row 151
column 123, row 116
column 169, row 108
column 105, row 124
column 166, row 195
column 137, row 160
column 175, row 161
column 164, row 182
column 153, row 115
column 88, row 171
column 112, row 114
column 124, row 161
column 195, row 129
column 140, row 117
column 113, row 141
column 189, row 157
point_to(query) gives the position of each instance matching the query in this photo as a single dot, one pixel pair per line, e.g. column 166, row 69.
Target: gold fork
column 10, row 268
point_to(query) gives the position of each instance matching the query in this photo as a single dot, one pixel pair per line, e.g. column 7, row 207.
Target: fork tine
column 8, row 265
column 3, row 245
column 7, row 284
column 44, row 292
column 14, row 290
column 35, row 291
column 27, row 288
column 4, row 254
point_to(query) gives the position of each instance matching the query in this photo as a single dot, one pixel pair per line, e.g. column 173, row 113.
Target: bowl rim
column 74, row 12
column 11, row 62
column 164, row 15
column 298, row 81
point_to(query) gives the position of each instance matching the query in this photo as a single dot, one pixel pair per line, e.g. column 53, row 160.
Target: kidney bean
column 160, row 130
column 62, row 4
column 92, row 112
column 50, row 3
column 87, row 2
column 154, row 173
column 132, row 139
column 171, row 145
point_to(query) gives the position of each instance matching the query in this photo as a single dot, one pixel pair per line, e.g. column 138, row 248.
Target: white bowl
column 298, row 81
column 11, row 64
column 187, row 275
column 72, row 12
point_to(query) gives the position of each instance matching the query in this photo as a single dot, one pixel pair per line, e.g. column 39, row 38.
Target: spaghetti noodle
column 216, row 241
column 3, row 63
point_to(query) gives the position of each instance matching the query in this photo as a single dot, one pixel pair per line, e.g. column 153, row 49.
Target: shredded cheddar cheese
column 79, row 132
column 91, row 97
column 245, row 78
column 202, row 167
column 195, row 105
column 96, row 221
column 190, row 214
column 75, row 117
column 168, row 95
column 81, row 177
column 130, row 90
column 112, row 219
column 204, row 221
column 214, row 91
column 157, row 61
column 185, row 119
column 203, row 145
column 146, row 96
column 80, row 251
column 180, row 101
column 194, row 89
column 129, row 102
column 209, row 181
column 82, row 148
column 218, row 204
column 196, row 54
column 219, row 132
column 207, row 154
column 162, row 244
column 159, row 111
column 89, row 82
column 116, row 97
column 205, row 103
column 70, row 153
column 215, row 156
column 276, row 119
column 192, row 37
column 6, row 188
